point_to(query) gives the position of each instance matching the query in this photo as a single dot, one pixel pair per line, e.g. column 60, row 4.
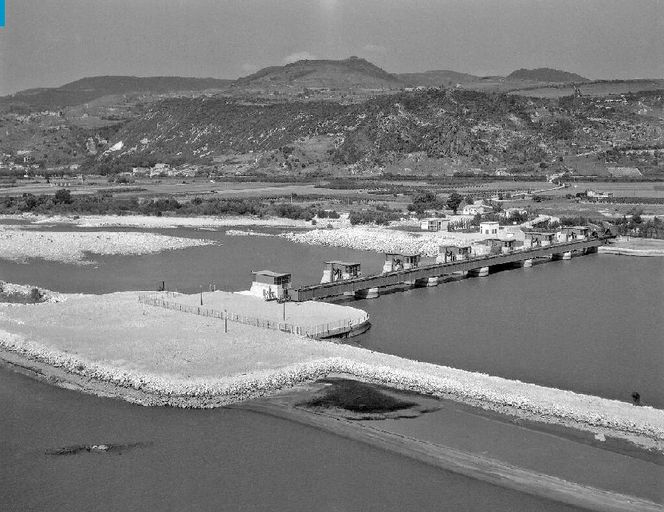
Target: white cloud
column 294, row 57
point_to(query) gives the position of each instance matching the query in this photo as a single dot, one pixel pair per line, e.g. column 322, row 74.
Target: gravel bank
column 148, row 222
column 20, row 245
column 634, row 247
column 383, row 240
column 158, row 357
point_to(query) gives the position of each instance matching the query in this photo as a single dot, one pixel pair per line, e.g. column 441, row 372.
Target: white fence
column 325, row 330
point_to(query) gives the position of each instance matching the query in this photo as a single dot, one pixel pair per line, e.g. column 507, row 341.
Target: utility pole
column 201, row 295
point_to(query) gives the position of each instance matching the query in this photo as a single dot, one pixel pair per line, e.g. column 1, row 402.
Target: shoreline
column 477, row 466
column 472, row 465
column 154, row 222
column 79, row 248
column 633, row 246
column 591, row 414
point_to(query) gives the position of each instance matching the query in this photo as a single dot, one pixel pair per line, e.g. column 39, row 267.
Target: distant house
column 509, row 212
column 598, row 195
column 433, row 224
column 489, row 228
column 477, row 208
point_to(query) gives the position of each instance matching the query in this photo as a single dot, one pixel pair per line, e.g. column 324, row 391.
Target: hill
column 436, row 78
column 545, row 75
column 478, row 129
column 91, row 88
column 349, row 73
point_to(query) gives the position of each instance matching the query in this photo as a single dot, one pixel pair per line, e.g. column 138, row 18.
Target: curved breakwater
column 641, row 425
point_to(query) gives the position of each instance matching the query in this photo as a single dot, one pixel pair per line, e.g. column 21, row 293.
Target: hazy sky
column 52, row 42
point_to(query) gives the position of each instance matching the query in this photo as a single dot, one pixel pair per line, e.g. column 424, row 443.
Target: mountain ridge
column 545, row 75
column 90, row 88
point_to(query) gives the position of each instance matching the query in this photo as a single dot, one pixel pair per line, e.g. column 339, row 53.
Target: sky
column 48, row 43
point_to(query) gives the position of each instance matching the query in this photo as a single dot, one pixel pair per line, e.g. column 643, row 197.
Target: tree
column 62, row 196
column 453, row 201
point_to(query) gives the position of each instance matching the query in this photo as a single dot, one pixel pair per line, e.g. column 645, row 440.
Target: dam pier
column 344, row 278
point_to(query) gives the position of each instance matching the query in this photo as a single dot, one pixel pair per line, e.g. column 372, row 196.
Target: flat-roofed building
column 490, row 227
column 434, row 224
column 270, row 285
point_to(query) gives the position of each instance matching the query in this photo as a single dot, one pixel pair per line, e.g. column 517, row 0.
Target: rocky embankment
column 26, row 290
column 629, row 246
column 382, row 240
column 20, row 244
column 150, row 222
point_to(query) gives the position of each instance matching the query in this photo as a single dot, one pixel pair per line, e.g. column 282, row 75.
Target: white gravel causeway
column 20, row 245
column 382, row 240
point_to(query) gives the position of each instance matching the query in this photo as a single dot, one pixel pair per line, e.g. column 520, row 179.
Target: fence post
column 225, row 321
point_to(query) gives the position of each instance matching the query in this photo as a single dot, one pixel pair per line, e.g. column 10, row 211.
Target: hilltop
column 92, row 88
column 349, row 73
column 545, row 75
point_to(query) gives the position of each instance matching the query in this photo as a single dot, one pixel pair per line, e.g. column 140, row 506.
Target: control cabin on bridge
column 270, row 285
column 340, row 271
column 500, row 245
column 395, row 261
column 451, row 253
column 571, row 233
column 537, row 239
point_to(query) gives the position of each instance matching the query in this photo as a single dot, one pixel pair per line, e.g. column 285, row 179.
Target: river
column 592, row 324
column 200, row 460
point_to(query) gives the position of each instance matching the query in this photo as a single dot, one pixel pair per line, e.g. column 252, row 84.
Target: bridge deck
column 320, row 291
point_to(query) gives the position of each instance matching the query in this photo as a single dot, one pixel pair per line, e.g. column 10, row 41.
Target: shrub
column 62, row 196
column 35, row 295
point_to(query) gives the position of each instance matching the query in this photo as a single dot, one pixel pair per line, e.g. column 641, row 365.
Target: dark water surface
column 594, row 324
column 200, row 460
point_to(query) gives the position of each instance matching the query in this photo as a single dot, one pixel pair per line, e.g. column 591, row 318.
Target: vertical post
column 225, row 321
column 284, row 311
column 201, row 295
